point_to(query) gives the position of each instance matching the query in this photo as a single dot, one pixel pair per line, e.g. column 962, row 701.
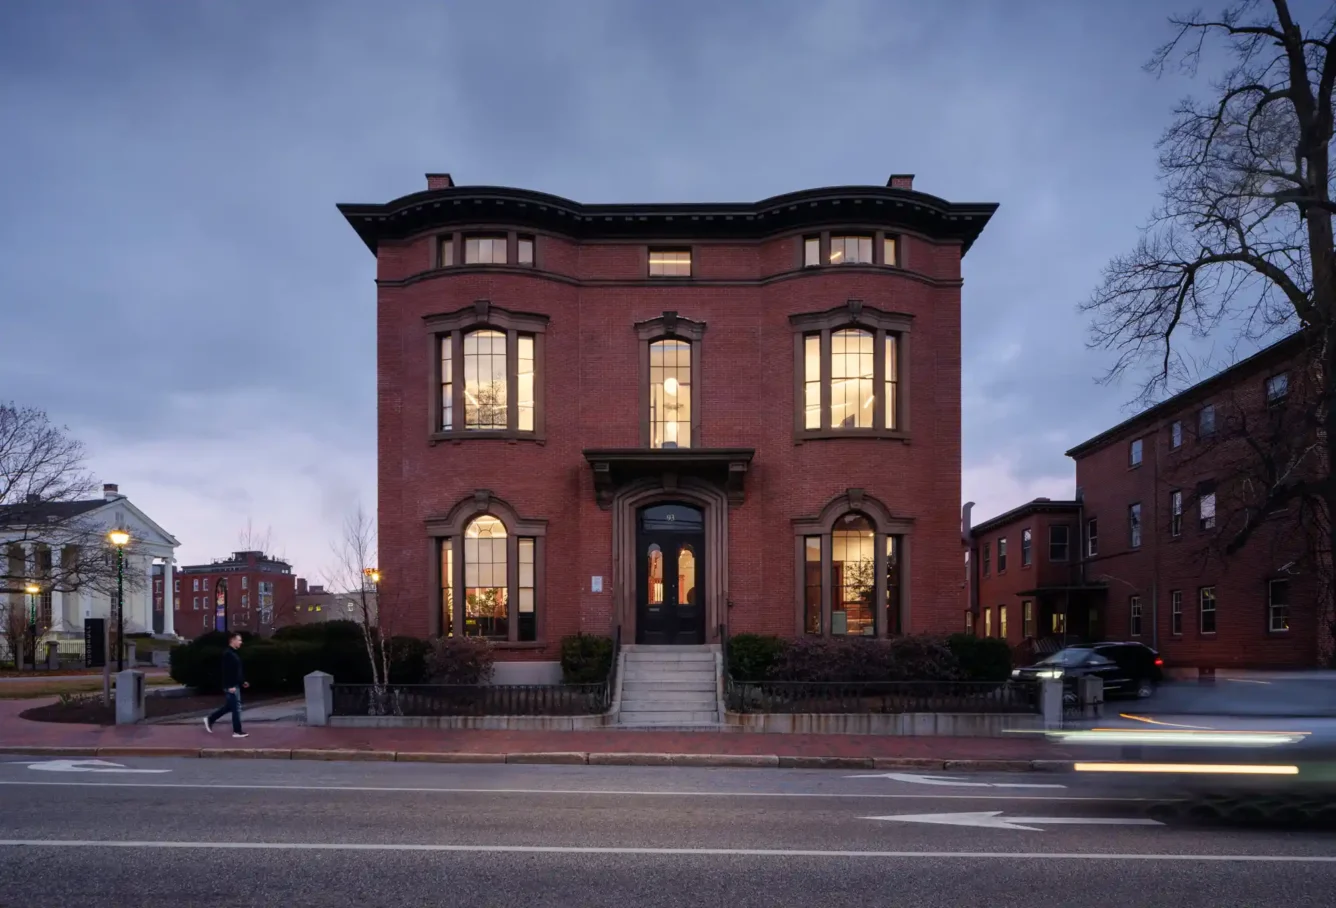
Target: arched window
column 851, row 569
column 486, row 603
column 670, row 394
column 490, row 568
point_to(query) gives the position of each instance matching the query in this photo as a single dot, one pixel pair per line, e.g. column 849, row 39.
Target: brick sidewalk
column 651, row 747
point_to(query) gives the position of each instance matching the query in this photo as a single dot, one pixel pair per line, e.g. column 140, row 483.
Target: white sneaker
column 240, row 734
column 208, row 726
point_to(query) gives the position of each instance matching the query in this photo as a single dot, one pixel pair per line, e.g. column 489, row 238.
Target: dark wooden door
column 670, row 588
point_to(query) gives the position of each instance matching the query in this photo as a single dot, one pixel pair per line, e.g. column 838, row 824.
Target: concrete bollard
column 130, row 694
column 1090, row 691
column 1050, row 701
column 130, row 654
column 52, row 655
column 319, row 698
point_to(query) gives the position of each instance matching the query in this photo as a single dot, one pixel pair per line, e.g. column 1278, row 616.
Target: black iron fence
column 472, row 699
column 881, row 697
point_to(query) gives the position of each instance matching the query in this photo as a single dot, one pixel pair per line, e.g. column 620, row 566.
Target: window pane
column 670, row 263
column 1279, row 605
column 1207, row 599
column 851, row 395
column 485, row 380
column 670, row 394
column 1057, row 543
column 445, row 255
column 812, row 381
column 524, row 251
column 447, row 587
column 892, row 381
column 1208, row 511
column 852, row 577
column 1027, row 539
column 1002, row 621
column 528, row 629
column 888, row 254
column 892, row 585
column 811, row 252
column 525, row 379
column 447, row 384
column 812, row 584
column 850, row 250
column 485, row 591
column 655, row 575
column 686, row 575
column 1176, row 611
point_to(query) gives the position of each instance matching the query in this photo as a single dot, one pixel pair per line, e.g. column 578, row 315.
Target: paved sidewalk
column 650, row 747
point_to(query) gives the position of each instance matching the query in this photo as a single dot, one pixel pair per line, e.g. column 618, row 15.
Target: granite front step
column 667, row 717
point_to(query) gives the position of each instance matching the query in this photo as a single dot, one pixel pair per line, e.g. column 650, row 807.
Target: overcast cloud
column 177, row 287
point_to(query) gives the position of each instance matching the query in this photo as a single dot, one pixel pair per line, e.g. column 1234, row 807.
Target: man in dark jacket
column 233, row 682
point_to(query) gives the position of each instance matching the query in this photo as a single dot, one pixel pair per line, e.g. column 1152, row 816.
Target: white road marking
column 993, row 819
column 82, row 766
column 939, row 780
column 580, row 792
column 707, row 852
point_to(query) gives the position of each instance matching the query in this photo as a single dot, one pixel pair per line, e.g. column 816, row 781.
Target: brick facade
column 589, row 290
column 1162, row 565
column 196, row 587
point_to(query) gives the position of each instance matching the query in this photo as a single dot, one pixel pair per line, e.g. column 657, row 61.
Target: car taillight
column 1159, row 663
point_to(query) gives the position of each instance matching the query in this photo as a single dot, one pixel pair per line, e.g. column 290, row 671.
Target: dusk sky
column 178, row 288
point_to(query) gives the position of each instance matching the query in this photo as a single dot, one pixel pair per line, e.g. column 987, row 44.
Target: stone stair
column 669, row 687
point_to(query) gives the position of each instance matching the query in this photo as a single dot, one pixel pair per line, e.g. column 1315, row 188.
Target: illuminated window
column 670, row 263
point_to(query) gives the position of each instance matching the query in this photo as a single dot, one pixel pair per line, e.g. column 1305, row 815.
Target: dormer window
column 670, row 263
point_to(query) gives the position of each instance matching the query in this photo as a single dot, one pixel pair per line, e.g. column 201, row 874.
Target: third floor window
column 485, row 250
column 670, row 263
column 1026, row 540
column 851, row 250
column 1134, row 525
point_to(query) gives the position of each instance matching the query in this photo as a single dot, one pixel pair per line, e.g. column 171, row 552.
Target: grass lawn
column 35, row 689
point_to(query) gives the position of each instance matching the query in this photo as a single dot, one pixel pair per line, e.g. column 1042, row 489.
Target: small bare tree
column 356, row 578
column 1242, row 244
column 252, row 540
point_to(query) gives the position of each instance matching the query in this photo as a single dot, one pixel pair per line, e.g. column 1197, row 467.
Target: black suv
column 1128, row 669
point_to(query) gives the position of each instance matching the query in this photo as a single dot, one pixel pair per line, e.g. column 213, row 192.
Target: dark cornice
column 808, row 209
column 1038, row 506
column 1281, row 350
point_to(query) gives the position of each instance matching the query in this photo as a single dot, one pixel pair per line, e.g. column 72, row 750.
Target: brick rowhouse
column 1158, row 497
column 669, row 421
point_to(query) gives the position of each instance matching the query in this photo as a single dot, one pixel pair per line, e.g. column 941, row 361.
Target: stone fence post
column 319, row 698
column 1050, row 701
column 130, row 693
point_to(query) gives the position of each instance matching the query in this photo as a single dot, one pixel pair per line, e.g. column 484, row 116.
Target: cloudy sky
column 178, row 288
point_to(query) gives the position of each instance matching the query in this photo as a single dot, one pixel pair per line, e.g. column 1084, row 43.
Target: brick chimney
column 901, row 181
column 111, row 491
column 440, row 181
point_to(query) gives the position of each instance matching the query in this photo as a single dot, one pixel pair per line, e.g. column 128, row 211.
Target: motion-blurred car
column 1127, row 669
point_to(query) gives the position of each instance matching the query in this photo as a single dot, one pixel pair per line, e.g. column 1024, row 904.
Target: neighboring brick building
column 668, row 418
column 1159, row 495
column 249, row 591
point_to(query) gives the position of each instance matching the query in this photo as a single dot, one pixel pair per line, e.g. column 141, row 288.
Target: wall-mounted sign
column 596, row 584
column 220, row 605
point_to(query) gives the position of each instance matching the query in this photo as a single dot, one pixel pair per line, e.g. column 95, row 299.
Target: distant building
column 250, row 591
column 316, row 604
column 1141, row 553
column 61, row 548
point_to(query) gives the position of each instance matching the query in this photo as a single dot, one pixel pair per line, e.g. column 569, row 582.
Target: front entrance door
column 670, row 588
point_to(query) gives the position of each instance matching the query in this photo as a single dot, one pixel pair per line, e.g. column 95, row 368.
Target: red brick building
column 249, row 591
column 1159, row 497
column 668, row 419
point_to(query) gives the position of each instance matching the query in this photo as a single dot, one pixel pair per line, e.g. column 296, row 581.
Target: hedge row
column 924, row 657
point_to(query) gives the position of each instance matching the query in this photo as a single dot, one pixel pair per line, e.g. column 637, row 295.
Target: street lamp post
column 32, row 590
column 120, row 539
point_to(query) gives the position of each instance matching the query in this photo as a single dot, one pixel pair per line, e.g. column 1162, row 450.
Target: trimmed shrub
column 861, row 660
column 922, row 657
column 409, row 660
column 459, row 660
column 751, row 657
column 981, row 658
column 585, row 658
column 322, row 632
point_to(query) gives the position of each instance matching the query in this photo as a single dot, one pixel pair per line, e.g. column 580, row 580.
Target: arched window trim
column 450, row 328
column 670, row 326
column 449, row 530
column 884, row 524
column 853, row 314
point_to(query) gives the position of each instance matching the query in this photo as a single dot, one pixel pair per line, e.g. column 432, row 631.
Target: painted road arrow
column 938, row 780
column 82, row 766
column 993, row 819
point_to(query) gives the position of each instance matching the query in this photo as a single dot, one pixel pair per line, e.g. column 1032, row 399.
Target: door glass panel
column 686, row 576
column 852, row 580
column 655, row 575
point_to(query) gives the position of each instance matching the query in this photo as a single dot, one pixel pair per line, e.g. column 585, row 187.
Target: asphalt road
column 200, row 832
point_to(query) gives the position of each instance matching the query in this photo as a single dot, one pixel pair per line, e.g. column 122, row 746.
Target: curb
column 556, row 758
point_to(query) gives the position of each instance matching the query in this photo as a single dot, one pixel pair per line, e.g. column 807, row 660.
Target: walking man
column 233, row 682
